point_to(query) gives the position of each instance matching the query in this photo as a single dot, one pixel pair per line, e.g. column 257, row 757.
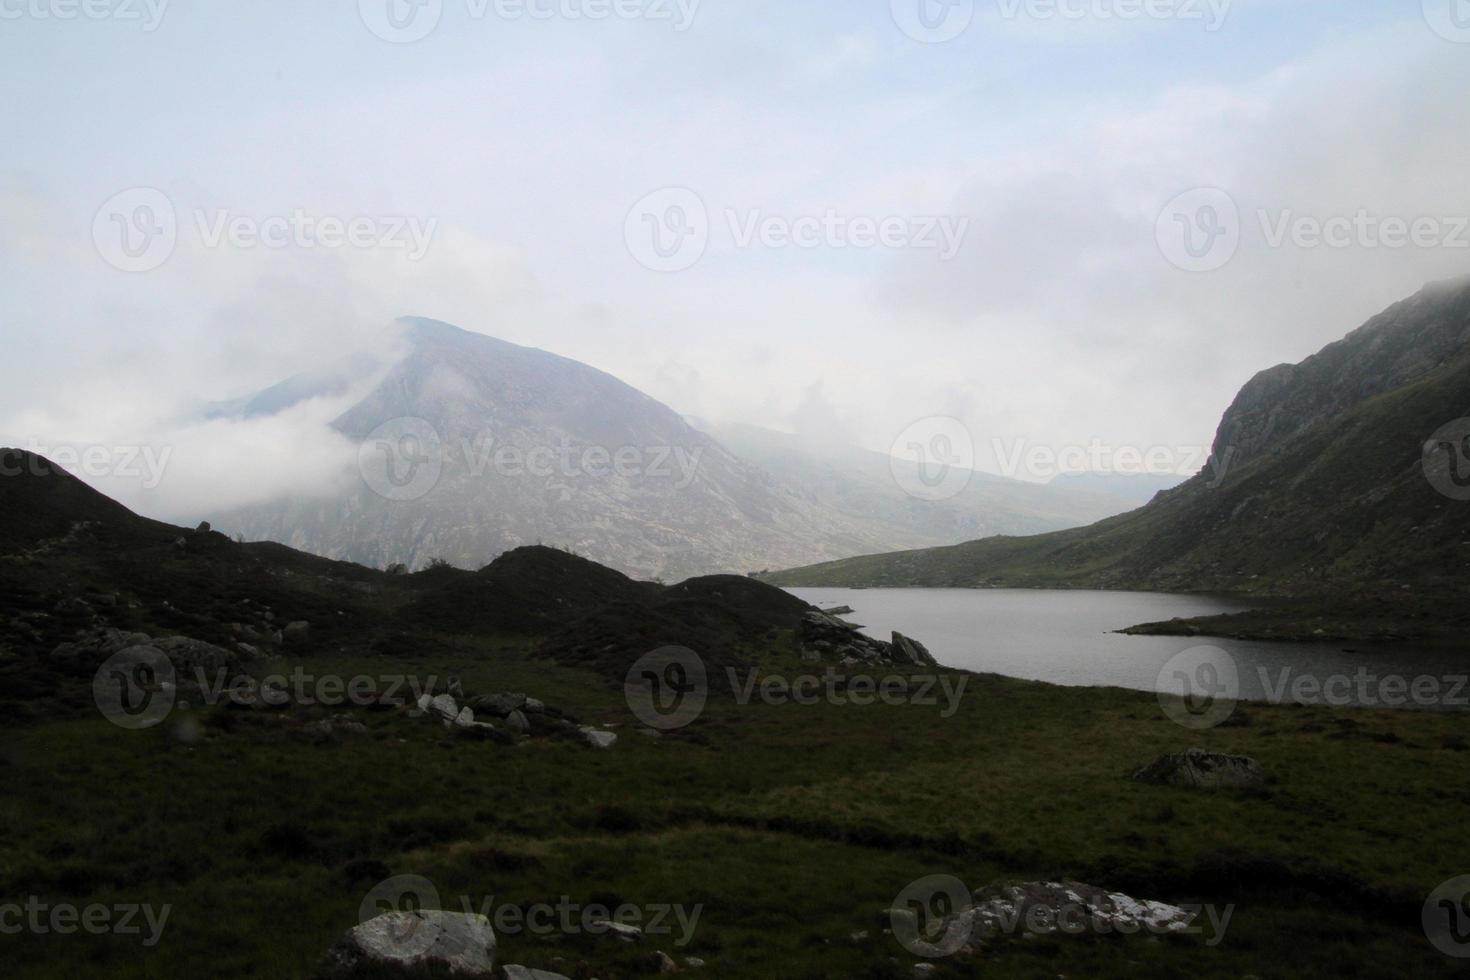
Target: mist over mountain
column 471, row 446
column 868, row 485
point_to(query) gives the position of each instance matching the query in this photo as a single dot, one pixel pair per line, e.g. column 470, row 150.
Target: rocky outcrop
column 1017, row 910
column 1400, row 345
column 186, row 654
column 483, row 717
column 1203, row 770
column 824, row 637
column 910, row 651
column 416, row 943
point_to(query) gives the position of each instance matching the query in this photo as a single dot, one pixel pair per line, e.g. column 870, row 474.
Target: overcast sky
column 836, row 217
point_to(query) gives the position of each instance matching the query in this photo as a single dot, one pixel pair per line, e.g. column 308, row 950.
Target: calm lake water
column 1068, row 638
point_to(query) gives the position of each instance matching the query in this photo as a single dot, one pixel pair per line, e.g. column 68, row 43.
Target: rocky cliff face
column 1331, row 487
column 1399, row 346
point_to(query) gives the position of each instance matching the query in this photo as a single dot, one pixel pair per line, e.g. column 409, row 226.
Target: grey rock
column 1004, row 911
column 500, row 705
column 598, row 739
column 415, row 942
column 911, row 651
column 297, row 632
column 1204, row 770
column 443, row 707
column 189, row 654
column 516, row 722
column 513, row 972
column 623, row 931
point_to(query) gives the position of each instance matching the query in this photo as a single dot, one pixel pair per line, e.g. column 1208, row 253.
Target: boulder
column 416, row 943
column 443, row 707
column 189, row 655
column 1018, row 910
column 98, row 645
column 296, row 633
column 500, row 705
column 911, row 651
column 526, row 973
column 825, row 637
column 1203, row 770
column 598, row 739
column 186, row 654
column 623, row 931
column 517, row 723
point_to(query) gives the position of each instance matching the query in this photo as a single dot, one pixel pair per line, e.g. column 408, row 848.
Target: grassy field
column 789, row 827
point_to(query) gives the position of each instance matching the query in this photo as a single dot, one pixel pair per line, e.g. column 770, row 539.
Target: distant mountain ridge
column 527, row 447
column 860, row 482
column 1324, row 487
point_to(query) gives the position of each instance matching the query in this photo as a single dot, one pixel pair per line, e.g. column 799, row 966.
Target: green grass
column 791, row 826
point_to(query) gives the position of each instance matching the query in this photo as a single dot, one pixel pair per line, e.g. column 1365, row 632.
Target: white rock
column 422, row 939
column 599, row 740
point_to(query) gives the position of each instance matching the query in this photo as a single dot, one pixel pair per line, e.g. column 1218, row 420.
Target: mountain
column 1324, row 488
column 472, row 447
column 860, row 484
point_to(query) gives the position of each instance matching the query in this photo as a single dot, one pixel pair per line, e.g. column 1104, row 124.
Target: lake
column 1068, row 638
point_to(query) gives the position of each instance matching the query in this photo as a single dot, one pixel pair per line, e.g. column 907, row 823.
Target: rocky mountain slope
column 472, row 447
column 1325, row 488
